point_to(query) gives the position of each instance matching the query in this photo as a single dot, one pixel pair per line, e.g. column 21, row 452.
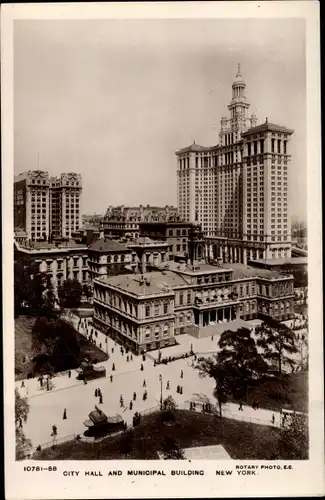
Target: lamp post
column 161, row 397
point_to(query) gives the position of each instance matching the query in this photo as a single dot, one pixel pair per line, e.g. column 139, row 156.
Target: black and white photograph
column 160, row 248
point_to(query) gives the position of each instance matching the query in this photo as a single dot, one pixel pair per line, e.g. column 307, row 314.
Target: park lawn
column 25, row 352
column 242, row 440
column 288, row 391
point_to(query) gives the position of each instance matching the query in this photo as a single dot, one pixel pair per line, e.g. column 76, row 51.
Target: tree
column 294, row 439
column 169, row 409
column 33, row 291
column 70, row 293
column 171, row 450
column 23, row 444
column 56, row 341
column 238, row 353
column 212, row 368
column 277, row 342
column 234, row 366
column 86, row 290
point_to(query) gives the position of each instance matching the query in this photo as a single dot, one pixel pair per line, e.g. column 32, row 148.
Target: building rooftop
column 145, row 241
column 214, row 452
column 193, row 148
column 71, row 244
column 281, row 262
column 146, row 284
column 108, row 245
column 267, row 126
column 242, row 271
column 134, row 284
column 199, row 268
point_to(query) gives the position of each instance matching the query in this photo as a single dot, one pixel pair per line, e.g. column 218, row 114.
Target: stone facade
column 47, row 207
column 198, row 296
column 239, row 188
column 124, row 221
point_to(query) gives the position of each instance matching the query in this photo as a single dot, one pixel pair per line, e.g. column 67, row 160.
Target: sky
column 114, row 99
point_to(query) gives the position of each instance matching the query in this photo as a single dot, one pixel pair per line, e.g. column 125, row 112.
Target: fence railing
column 54, row 442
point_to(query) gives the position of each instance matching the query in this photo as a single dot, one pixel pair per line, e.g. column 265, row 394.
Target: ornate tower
column 239, row 121
column 196, row 242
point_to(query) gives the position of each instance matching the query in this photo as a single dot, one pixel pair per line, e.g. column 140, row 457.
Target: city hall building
column 147, row 311
column 238, row 188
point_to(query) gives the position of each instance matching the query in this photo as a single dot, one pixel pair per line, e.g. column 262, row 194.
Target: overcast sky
column 114, row 99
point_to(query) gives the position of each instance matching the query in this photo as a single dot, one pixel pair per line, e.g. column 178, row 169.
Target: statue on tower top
column 238, row 72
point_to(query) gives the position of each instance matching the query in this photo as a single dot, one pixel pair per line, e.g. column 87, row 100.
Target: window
column 188, row 298
column 157, row 309
column 165, row 331
column 147, row 311
column 147, row 333
column 157, row 331
column 181, row 299
column 170, row 232
column 272, row 145
column 165, row 307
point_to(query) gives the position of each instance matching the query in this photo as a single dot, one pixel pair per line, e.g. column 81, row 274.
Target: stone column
column 244, row 256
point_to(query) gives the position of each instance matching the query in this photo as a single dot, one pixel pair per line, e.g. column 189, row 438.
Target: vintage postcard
column 163, row 325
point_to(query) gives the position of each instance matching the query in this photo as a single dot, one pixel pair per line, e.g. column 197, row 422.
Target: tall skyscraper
column 46, row 206
column 239, row 188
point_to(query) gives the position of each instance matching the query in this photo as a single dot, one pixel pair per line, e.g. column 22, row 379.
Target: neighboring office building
column 148, row 253
column 66, row 261
column 107, row 257
column 110, row 257
column 146, row 311
column 121, row 221
column 176, row 234
column 47, row 207
column 239, row 188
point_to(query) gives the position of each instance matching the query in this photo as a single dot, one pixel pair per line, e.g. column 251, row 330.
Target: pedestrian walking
column 144, row 383
column 121, row 401
column 131, row 405
column 273, row 418
column 113, row 367
column 145, row 394
column 167, row 386
column 181, row 390
column 177, row 389
column 100, row 345
column 112, row 350
column 127, row 358
column 69, row 373
column 182, row 374
column 131, row 357
column 85, row 381
column 240, row 407
column 20, row 423
column 111, row 378
column 141, row 367
column 65, row 414
column 54, row 430
column 100, row 399
column 96, row 393
column 134, row 396
column 23, row 384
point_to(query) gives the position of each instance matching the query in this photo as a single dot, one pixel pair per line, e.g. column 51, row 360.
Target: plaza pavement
column 47, row 407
